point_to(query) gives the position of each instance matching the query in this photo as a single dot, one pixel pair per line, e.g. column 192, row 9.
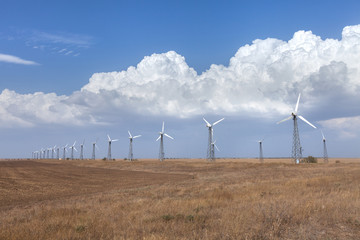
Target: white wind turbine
column 109, row 150
column 52, row 152
column 82, row 150
column 326, row 159
column 58, row 153
column 161, row 137
column 72, row 150
column 48, row 152
column 211, row 151
column 296, row 148
column 261, row 156
column 131, row 156
column 64, row 151
column 94, row 144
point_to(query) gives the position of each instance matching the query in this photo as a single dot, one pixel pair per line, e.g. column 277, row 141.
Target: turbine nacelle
column 132, row 137
column 162, row 133
column 294, row 115
column 208, row 125
column 111, row 140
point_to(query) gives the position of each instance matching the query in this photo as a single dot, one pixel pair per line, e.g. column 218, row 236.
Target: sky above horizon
column 79, row 70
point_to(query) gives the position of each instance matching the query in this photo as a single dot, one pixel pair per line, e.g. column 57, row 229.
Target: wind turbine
column 52, row 152
column 64, row 151
column 210, row 151
column 72, row 150
column 296, row 147
column 82, row 150
column 48, row 153
column 326, row 160
column 109, row 151
column 261, row 156
column 161, row 137
column 93, row 149
column 58, row 153
column 131, row 156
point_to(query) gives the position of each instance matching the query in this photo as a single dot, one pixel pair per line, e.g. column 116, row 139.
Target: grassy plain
column 179, row 199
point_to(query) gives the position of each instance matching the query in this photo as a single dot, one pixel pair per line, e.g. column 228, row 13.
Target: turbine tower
column 109, row 151
column 93, row 149
column 161, row 137
column 296, row 147
column 131, row 156
column 210, row 156
column 82, row 150
column 261, row 156
column 58, row 153
column 52, row 152
column 72, row 150
column 326, row 159
column 48, row 152
column 64, row 151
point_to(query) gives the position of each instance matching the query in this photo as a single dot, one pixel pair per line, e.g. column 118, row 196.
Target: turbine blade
column 288, row 118
column 158, row 138
column 115, row 140
column 322, row 134
column 109, row 137
column 207, row 123
column 302, row 118
column 168, row 136
column 137, row 136
column 297, row 104
column 163, row 126
column 218, row 121
column 129, row 134
column 74, row 143
column 75, row 149
column 216, row 147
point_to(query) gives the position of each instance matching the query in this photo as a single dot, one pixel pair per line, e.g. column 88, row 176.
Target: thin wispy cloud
column 82, row 41
column 64, row 43
column 16, row 60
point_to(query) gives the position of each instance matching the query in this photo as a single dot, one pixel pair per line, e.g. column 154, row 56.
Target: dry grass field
column 179, row 199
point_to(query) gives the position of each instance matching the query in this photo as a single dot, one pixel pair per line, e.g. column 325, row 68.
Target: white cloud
column 263, row 79
column 347, row 126
column 13, row 59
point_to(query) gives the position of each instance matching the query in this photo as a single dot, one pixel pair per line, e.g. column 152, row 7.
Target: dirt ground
column 25, row 182
column 179, row 199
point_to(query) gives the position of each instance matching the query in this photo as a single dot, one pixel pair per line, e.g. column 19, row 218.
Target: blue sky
column 199, row 58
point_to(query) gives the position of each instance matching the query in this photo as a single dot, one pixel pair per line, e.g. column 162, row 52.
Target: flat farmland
column 179, row 199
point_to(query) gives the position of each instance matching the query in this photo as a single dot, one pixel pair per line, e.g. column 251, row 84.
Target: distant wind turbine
column 326, row 159
column 161, row 137
column 296, row 148
column 261, row 156
column 131, row 156
column 72, row 150
column 211, row 151
column 52, row 152
column 64, row 151
column 109, row 150
column 94, row 144
column 82, row 150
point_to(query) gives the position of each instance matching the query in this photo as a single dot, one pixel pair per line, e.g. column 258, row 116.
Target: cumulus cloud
column 13, row 59
column 262, row 79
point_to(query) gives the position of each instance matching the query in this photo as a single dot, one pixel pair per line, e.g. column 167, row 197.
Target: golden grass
column 179, row 199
